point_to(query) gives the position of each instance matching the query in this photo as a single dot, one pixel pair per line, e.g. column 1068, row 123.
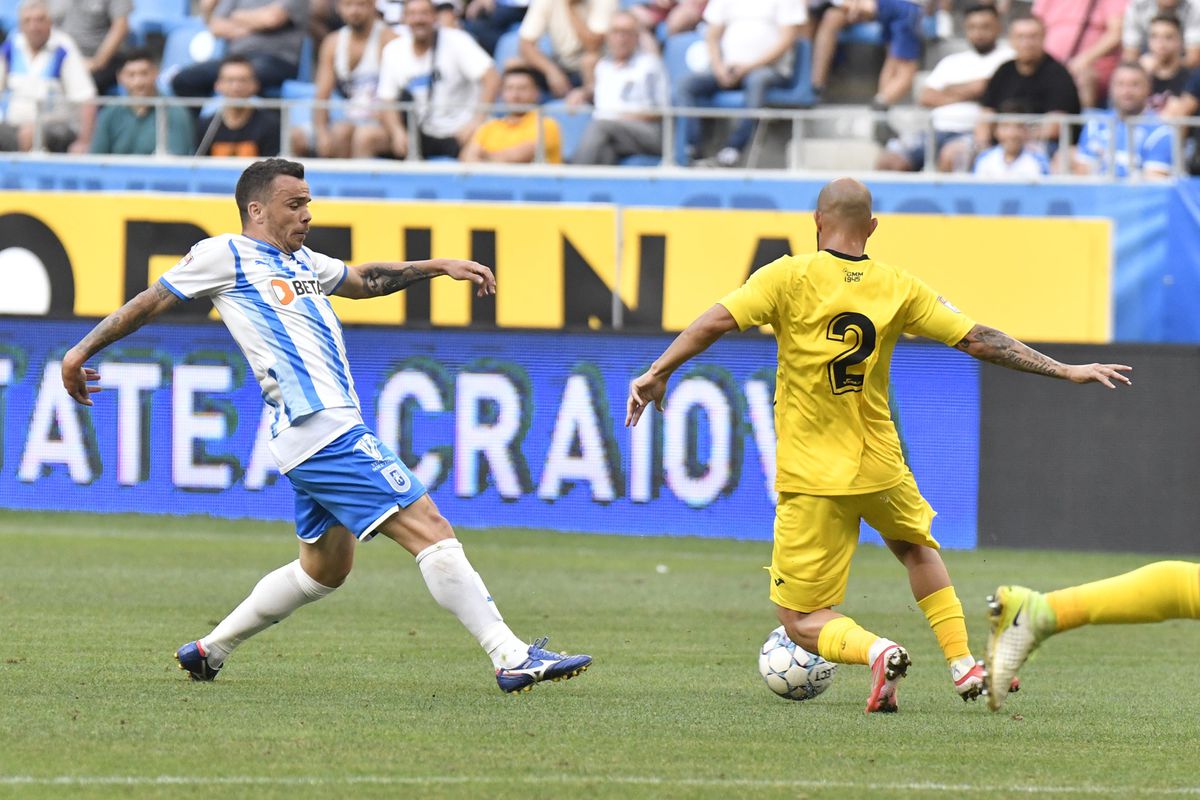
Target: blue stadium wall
column 510, row 429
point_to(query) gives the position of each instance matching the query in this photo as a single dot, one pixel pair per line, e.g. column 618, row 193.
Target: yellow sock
column 1163, row 590
column 843, row 641
column 945, row 615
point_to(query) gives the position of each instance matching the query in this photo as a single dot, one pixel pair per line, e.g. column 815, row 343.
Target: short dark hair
column 1170, row 19
column 139, row 54
column 227, row 60
column 539, row 80
column 981, row 8
column 1027, row 18
column 257, row 178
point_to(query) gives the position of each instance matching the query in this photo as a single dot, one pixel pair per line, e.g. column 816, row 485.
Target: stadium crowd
column 588, row 81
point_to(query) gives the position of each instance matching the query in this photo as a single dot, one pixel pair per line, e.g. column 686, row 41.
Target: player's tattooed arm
column 125, row 320
column 379, row 279
column 997, row 347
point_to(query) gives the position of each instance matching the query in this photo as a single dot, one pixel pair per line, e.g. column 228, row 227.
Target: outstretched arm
column 997, row 347
column 379, row 279
column 695, row 339
column 117, row 325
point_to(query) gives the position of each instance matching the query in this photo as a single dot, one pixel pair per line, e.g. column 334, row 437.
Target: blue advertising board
column 508, row 429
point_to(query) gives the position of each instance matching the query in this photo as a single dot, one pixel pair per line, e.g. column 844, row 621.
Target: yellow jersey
column 836, row 319
column 500, row 134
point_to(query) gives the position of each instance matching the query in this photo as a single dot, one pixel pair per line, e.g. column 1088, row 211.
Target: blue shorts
column 901, row 21
column 355, row 481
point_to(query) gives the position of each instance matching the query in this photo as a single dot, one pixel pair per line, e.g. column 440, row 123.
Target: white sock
column 276, row 596
column 457, row 587
column 880, row 645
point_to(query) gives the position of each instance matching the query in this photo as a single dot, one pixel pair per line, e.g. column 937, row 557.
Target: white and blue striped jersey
column 276, row 306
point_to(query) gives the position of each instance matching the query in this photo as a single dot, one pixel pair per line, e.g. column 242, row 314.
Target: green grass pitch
column 376, row 692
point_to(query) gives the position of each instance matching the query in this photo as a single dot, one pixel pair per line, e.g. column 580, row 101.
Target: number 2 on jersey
column 841, row 379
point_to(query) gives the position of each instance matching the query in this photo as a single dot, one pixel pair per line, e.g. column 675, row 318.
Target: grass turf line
column 378, row 692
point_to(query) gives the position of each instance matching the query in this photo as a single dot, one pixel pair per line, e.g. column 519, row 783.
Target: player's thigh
column 418, row 526
column 815, row 539
column 900, row 513
column 355, row 481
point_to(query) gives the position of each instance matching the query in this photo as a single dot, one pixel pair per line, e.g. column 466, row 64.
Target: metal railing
column 850, row 123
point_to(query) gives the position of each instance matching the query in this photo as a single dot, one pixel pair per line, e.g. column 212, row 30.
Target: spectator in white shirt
column 952, row 92
column 1013, row 158
column 750, row 47
column 630, row 88
column 42, row 66
column 446, row 74
column 576, row 29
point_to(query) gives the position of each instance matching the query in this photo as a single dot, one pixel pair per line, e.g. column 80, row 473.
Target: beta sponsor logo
column 948, row 304
column 287, row 291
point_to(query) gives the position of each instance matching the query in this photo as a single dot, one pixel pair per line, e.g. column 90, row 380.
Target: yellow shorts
column 815, row 538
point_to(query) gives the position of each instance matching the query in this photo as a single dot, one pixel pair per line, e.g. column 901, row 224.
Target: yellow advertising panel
column 1037, row 279
column 556, row 265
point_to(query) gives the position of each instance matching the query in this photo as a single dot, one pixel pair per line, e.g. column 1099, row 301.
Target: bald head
column 846, row 201
column 843, row 215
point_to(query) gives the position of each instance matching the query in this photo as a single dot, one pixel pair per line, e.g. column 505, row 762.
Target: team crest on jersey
column 369, row 446
column 948, row 304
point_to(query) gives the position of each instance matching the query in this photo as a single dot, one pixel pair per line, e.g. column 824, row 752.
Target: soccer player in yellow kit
column 837, row 314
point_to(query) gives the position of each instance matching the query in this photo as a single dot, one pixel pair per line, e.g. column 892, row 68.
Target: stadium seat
column 188, row 44
column 8, row 15
column 571, row 125
column 508, row 47
column 685, row 54
column 157, row 17
column 641, row 161
column 299, row 114
column 308, row 56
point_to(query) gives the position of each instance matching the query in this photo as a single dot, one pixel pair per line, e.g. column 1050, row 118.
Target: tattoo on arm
column 381, row 279
column 997, row 347
column 128, row 318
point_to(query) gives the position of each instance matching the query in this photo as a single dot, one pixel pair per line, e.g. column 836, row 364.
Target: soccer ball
column 791, row 671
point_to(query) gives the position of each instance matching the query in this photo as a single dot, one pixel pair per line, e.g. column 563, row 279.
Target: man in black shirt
column 1033, row 78
column 238, row 129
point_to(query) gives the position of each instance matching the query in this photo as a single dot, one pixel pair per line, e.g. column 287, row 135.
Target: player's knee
column 802, row 628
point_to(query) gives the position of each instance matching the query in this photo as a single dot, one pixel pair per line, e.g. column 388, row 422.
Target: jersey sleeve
column 206, row 270
column 1157, row 150
column 932, row 316
column 331, row 272
column 756, row 302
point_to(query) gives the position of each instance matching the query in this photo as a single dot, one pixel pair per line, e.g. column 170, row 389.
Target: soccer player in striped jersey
column 1021, row 619
column 837, row 315
column 272, row 293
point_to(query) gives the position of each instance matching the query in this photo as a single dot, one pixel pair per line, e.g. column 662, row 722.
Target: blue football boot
column 194, row 661
column 541, row 665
